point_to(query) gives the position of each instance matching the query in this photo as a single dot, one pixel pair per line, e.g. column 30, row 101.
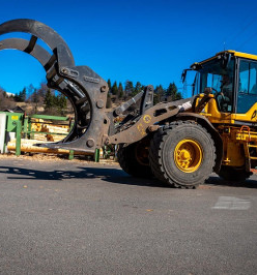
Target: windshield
column 216, row 75
column 213, row 75
column 221, row 79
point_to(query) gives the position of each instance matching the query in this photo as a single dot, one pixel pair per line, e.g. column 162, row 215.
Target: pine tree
column 129, row 88
column 60, row 103
column 137, row 89
column 49, row 100
column 17, row 98
column 120, row 91
column 110, row 85
column 23, row 94
column 172, row 93
column 159, row 94
column 114, row 88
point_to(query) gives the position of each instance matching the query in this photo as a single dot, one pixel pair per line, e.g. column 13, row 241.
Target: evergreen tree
column 17, row 98
column 137, row 89
column 120, row 91
column 60, row 102
column 55, row 103
column 129, row 88
column 49, row 100
column 63, row 101
column 172, row 93
column 110, row 85
column 114, row 88
column 23, row 94
column 159, row 94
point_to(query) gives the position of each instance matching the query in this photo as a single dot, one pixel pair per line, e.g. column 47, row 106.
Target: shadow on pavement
column 112, row 175
column 216, row 181
column 109, row 175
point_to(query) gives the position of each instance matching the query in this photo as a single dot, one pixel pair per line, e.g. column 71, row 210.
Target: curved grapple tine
column 85, row 89
column 20, row 44
column 38, row 30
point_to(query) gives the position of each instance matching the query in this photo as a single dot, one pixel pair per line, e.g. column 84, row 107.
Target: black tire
column 133, row 159
column 164, row 155
column 233, row 174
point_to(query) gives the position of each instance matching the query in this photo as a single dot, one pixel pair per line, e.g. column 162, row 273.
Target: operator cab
column 232, row 77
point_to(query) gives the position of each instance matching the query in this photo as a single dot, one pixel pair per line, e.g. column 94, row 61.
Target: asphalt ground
column 69, row 217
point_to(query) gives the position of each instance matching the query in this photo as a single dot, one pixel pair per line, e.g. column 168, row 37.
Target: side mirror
column 225, row 60
column 183, row 76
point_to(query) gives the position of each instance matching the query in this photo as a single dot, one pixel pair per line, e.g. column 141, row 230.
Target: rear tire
column 182, row 154
column 134, row 160
column 234, row 175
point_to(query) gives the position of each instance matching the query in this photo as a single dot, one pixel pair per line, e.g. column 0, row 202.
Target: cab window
column 247, row 86
column 221, row 80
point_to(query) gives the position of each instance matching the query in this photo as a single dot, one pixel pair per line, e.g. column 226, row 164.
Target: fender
column 204, row 122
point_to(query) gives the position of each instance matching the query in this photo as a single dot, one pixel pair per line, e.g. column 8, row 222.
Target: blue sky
column 144, row 40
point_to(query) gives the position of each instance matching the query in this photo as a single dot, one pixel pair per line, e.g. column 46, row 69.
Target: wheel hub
column 188, row 155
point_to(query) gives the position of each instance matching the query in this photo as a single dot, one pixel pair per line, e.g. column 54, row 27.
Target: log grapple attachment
column 87, row 92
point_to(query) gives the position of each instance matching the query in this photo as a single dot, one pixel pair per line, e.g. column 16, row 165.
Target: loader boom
column 87, row 92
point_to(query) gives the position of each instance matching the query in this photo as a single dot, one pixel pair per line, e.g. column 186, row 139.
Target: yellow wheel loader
column 181, row 142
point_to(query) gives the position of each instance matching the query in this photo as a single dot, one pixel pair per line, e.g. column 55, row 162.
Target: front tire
column 134, row 160
column 182, row 154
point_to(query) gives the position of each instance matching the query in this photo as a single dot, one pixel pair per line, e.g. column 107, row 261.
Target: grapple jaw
column 86, row 90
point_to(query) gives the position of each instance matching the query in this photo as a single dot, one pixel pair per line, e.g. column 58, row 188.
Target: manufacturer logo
column 147, row 119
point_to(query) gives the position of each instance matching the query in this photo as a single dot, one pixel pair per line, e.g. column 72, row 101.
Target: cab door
column 247, row 87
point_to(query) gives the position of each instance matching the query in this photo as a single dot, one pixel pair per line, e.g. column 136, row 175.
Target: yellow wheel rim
column 188, row 155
